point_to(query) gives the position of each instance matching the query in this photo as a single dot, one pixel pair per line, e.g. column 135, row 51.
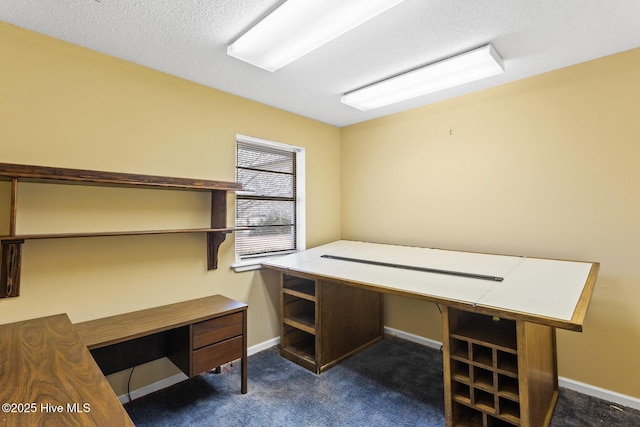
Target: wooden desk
column 48, row 377
column 499, row 345
column 197, row 336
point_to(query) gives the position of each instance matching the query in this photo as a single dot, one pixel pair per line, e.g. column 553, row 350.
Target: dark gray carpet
column 393, row 383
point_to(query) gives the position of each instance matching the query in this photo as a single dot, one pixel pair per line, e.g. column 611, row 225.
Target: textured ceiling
column 188, row 39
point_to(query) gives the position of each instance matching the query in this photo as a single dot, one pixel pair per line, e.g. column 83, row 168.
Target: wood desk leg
column 243, row 362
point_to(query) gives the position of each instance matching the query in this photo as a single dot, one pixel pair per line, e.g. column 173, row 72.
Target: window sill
column 253, row 263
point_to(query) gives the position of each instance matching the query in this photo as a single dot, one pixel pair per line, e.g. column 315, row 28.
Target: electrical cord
column 129, row 384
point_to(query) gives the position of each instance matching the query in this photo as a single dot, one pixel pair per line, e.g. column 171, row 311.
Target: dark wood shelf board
column 301, row 323
column 114, row 233
column 298, row 294
column 306, row 353
column 83, row 176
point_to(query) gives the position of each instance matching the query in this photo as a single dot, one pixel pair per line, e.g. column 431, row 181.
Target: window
column 271, row 205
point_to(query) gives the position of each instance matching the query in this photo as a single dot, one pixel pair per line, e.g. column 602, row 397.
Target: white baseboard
column 600, row 393
column 263, row 346
column 588, row 389
column 413, row 338
column 158, row 385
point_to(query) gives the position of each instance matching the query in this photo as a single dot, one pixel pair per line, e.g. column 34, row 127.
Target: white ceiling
column 188, row 39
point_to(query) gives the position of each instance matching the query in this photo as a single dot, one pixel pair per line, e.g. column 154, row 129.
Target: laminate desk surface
column 48, row 377
column 128, row 326
column 545, row 291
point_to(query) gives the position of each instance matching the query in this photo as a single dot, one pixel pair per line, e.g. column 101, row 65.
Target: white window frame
column 253, row 262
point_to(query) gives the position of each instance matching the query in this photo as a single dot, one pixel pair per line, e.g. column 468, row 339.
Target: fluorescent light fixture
column 299, row 26
column 467, row 67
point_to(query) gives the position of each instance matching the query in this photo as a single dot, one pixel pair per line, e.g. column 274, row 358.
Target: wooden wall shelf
column 115, row 233
column 11, row 244
column 82, row 176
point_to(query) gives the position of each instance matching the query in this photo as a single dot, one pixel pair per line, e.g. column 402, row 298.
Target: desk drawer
column 215, row 355
column 216, row 330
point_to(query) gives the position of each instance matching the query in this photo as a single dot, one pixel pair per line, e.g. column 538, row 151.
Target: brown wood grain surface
column 48, row 378
column 62, row 175
column 123, row 327
column 47, row 236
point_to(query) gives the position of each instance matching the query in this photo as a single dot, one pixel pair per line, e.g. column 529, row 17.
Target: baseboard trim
column 263, row 346
column 600, row 393
column 413, row 338
column 588, row 389
column 150, row 388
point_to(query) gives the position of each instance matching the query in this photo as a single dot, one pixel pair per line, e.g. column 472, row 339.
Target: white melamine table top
column 540, row 290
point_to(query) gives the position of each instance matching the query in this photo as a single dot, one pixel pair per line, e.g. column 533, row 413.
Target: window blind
column 267, row 206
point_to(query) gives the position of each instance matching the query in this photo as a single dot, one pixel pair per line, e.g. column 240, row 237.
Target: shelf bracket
column 218, row 220
column 214, row 240
column 11, row 256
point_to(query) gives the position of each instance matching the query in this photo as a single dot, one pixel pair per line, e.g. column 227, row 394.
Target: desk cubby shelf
column 494, row 374
column 313, row 311
column 298, row 315
column 11, row 244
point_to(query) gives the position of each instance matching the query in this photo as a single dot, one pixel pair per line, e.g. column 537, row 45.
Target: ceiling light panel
column 298, row 27
column 465, row 68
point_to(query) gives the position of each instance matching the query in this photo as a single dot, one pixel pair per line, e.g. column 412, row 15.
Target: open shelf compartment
column 495, row 373
column 299, row 287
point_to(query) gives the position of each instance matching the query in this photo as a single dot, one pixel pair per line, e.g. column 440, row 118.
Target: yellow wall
column 62, row 105
column 547, row 166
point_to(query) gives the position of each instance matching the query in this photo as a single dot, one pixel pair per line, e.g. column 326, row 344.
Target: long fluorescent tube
column 299, row 26
column 467, row 67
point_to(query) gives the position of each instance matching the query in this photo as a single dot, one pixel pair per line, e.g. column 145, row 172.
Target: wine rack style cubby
column 495, row 373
